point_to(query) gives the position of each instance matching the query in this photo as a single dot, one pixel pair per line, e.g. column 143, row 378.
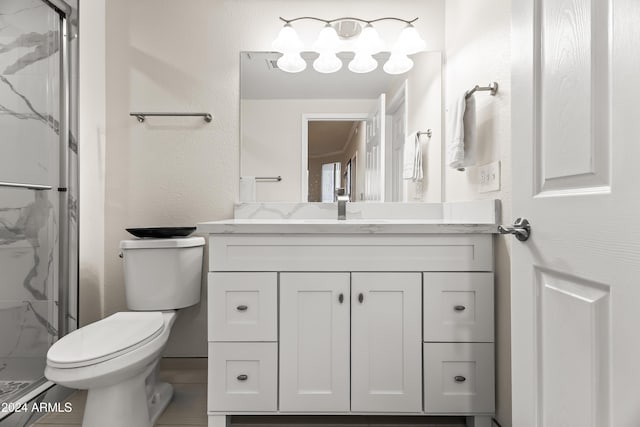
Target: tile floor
column 187, row 408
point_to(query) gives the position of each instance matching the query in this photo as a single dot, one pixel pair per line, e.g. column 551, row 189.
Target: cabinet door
column 314, row 342
column 386, row 342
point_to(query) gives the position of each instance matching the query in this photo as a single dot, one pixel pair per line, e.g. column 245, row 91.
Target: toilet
column 116, row 359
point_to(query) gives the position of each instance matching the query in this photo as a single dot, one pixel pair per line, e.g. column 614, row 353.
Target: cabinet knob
column 341, row 298
column 242, row 377
column 459, row 379
column 360, row 297
column 459, row 308
column 242, row 308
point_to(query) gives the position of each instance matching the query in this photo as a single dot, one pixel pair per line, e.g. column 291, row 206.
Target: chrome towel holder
column 493, row 87
column 142, row 116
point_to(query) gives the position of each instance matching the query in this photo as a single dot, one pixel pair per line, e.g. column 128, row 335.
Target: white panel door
column 314, row 342
column 386, row 342
column 374, row 153
column 575, row 289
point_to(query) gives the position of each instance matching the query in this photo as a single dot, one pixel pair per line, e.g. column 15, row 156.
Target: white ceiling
column 260, row 80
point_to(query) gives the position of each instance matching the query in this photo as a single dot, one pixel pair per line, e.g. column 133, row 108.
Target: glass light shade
column 369, row 41
column 409, row 41
column 327, row 62
column 363, row 63
column 287, row 40
column 398, row 63
column 291, row 62
column 328, row 40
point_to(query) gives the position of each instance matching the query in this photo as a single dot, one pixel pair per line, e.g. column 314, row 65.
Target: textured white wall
column 92, row 161
column 271, row 140
column 477, row 52
column 184, row 56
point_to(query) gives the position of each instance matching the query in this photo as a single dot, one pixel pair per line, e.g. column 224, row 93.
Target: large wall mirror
column 319, row 132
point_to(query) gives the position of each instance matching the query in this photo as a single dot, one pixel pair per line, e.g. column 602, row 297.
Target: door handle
column 341, row 298
column 360, row 297
column 521, row 229
column 242, row 308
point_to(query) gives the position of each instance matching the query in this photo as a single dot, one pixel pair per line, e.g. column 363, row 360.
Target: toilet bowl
column 116, row 359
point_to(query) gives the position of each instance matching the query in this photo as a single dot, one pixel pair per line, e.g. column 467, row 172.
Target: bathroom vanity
column 363, row 316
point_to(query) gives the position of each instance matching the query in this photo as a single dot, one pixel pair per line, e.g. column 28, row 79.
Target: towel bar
column 493, row 87
column 141, row 116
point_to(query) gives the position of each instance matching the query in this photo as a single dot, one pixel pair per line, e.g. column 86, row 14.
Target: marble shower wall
column 30, row 35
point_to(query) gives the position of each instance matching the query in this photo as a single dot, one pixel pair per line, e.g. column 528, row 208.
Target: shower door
column 34, row 197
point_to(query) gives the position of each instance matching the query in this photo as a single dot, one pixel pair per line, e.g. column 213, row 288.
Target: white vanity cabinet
column 358, row 322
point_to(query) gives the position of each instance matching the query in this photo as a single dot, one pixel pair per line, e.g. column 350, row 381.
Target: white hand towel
column 417, row 168
column 412, row 162
column 409, row 156
column 461, row 141
column 247, row 189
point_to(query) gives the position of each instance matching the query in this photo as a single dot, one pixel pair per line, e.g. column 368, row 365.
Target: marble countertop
column 349, row 226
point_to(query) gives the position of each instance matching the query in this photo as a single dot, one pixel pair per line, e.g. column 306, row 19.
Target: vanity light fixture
column 290, row 46
column 332, row 38
column 327, row 45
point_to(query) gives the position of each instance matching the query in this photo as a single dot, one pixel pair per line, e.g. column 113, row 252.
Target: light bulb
column 369, row 41
column 398, row 63
column 409, row 41
column 287, row 40
column 328, row 40
column 291, row 62
column 327, row 62
column 363, row 63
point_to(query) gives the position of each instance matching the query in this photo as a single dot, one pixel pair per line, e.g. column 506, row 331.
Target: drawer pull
column 360, row 297
column 242, row 377
column 242, row 308
column 459, row 378
column 341, row 298
column 459, row 308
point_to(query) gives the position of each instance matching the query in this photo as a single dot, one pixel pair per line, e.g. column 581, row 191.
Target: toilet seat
column 106, row 339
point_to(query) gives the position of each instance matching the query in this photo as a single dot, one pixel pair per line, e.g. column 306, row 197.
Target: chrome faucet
column 342, row 200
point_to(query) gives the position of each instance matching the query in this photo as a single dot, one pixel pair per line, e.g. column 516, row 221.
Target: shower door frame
column 68, row 254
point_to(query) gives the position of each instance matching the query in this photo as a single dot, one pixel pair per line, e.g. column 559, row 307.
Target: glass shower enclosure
column 38, row 189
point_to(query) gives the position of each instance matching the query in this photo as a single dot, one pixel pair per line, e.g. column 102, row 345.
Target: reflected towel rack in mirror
column 141, row 116
column 493, row 87
column 269, row 178
column 427, row 132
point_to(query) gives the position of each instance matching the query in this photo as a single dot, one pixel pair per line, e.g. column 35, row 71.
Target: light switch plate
column 489, row 177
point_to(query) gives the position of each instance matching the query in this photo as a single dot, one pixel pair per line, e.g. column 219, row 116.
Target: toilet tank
column 162, row 274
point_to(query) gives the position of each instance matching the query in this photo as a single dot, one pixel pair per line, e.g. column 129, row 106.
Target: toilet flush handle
column 121, row 255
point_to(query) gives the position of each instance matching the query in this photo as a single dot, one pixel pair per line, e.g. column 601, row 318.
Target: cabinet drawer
column 458, row 377
column 243, row 376
column 458, row 307
column 243, row 306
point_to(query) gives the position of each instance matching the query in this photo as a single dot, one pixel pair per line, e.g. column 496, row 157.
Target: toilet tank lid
column 177, row 242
